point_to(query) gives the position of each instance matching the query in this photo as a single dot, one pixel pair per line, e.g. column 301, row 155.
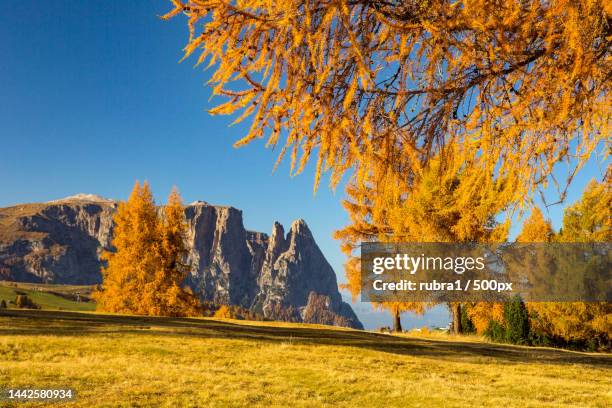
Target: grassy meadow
column 143, row 361
column 49, row 296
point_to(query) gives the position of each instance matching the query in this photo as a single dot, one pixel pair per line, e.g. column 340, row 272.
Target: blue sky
column 93, row 97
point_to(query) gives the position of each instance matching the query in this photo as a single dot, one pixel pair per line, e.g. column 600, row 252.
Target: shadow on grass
column 57, row 323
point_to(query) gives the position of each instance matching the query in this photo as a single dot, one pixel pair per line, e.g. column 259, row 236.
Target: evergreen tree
column 516, row 321
column 515, row 325
column 495, row 331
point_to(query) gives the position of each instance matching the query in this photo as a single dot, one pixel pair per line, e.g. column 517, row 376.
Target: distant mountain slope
column 279, row 276
column 50, row 297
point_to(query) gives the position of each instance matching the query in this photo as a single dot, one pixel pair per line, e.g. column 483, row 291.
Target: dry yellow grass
column 138, row 361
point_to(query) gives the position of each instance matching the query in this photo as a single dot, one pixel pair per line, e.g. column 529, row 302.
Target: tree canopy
column 145, row 273
column 536, row 228
column 516, row 86
column 587, row 220
column 443, row 113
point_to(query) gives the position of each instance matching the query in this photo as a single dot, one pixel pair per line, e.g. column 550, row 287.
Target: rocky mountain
column 277, row 275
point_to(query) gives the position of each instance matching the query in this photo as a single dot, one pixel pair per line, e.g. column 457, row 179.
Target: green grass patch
column 51, row 297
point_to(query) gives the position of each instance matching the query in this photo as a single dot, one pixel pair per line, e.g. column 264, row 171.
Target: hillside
column 143, row 361
column 50, row 297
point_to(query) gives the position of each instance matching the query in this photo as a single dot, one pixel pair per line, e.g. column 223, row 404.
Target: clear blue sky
column 92, row 98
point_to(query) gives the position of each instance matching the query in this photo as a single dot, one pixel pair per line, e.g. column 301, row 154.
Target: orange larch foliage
column 144, row 273
column 498, row 91
column 588, row 220
column 481, row 314
column 536, row 228
column 436, row 209
column 516, row 86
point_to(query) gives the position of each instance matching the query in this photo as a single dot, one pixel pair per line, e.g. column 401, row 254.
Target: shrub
column 24, row 302
column 495, row 332
column 3, row 304
column 538, row 338
column 223, row 312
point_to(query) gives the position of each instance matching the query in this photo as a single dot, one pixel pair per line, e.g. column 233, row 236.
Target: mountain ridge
column 275, row 275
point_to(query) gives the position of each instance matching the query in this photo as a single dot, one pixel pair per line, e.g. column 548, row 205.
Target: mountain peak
column 199, row 202
column 299, row 227
column 82, row 197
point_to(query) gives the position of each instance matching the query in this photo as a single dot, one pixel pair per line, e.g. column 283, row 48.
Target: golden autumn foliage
column 536, row 228
column 442, row 113
column 588, row 220
column 145, row 272
column 436, row 209
column 574, row 321
column 482, row 313
column 515, row 86
column 223, row 312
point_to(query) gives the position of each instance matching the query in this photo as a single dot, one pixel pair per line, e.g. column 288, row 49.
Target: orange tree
column 379, row 89
column 437, row 209
column 588, row 220
column 144, row 273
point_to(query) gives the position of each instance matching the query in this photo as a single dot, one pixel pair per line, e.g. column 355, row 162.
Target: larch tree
column 437, row 209
column 536, row 228
column 588, row 220
column 482, row 314
column 378, row 89
column 136, row 256
column 145, row 272
column 177, row 299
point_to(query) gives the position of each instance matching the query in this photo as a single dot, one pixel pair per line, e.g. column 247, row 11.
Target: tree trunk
column 455, row 308
column 397, row 321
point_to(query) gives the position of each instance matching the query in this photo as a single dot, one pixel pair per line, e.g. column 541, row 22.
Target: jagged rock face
column 61, row 242
column 56, row 243
column 293, row 268
column 220, row 256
